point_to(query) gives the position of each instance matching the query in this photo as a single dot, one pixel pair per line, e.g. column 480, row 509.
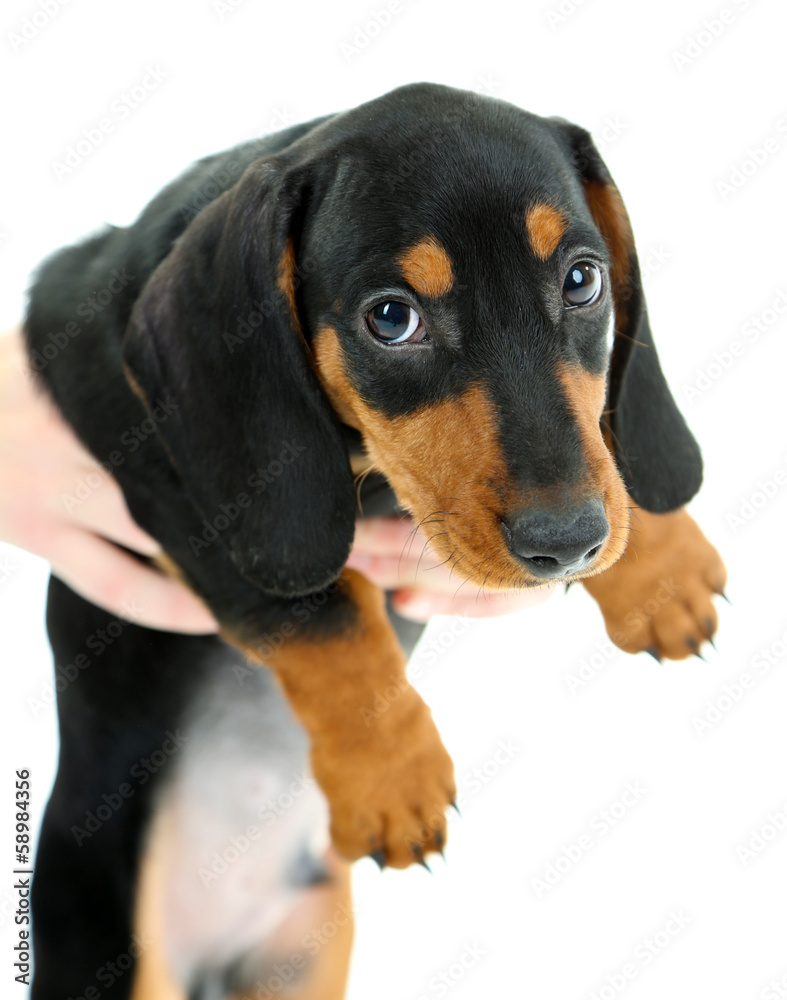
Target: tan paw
column 388, row 787
column 658, row 596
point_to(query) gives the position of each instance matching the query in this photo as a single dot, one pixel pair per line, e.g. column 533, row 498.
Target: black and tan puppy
column 435, row 284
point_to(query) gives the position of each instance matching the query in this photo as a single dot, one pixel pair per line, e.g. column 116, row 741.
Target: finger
column 392, row 573
column 420, row 606
column 112, row 579
column 386, row 536
column 104, row 512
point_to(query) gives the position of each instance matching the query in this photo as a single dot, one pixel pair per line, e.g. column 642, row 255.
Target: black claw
column 694, row 646
column 652, row 651
column 455, row 807
column 722, row 594
column 378, row 857
column 712, row 644
column 418, row 854
column 568, row 586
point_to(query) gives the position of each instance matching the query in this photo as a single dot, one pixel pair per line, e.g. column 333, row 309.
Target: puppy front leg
column 658, row 596
column 376, row 752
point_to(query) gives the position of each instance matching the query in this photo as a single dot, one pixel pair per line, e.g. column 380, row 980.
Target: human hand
column 41, row 462
column 388, row 552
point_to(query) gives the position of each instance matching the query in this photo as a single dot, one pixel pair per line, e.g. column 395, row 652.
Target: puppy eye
column 582, row 285
column 396, row 323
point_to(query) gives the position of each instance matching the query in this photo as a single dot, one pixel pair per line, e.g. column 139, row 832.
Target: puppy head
column 480, row 320
column 450, row 274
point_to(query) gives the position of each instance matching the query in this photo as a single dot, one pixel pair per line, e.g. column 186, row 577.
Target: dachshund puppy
column 437, row 287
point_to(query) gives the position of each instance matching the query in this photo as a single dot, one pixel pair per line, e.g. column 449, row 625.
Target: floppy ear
column 216, row 332
column 657, row 455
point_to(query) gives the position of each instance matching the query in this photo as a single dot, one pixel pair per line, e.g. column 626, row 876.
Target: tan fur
column 168, row 567
column 136, row 388
column 325, row 918
column 545, row 226
column 376, row 752
column 152, row 978
column 447, row 458
column 609, row 214
column 326, row 973
column 586, row 394
column 360, row 464
column 428, row 268
column 659, row 595
column 287, row 282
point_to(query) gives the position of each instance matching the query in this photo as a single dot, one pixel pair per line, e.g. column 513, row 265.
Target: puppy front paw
column 658, row 597
column 388, row 784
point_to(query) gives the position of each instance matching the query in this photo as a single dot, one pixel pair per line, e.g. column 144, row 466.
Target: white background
column 670, row 133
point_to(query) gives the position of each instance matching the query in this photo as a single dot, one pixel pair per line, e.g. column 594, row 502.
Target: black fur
column 658, row 457
column 351, row 192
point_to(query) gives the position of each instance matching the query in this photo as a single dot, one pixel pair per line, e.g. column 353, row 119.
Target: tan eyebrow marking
column 427, row 267
column 545, row 225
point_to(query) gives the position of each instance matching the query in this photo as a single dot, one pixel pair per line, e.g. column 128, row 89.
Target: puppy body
column 235, row 370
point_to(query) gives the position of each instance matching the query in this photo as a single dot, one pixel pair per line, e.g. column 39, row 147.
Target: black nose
column 553, row 545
